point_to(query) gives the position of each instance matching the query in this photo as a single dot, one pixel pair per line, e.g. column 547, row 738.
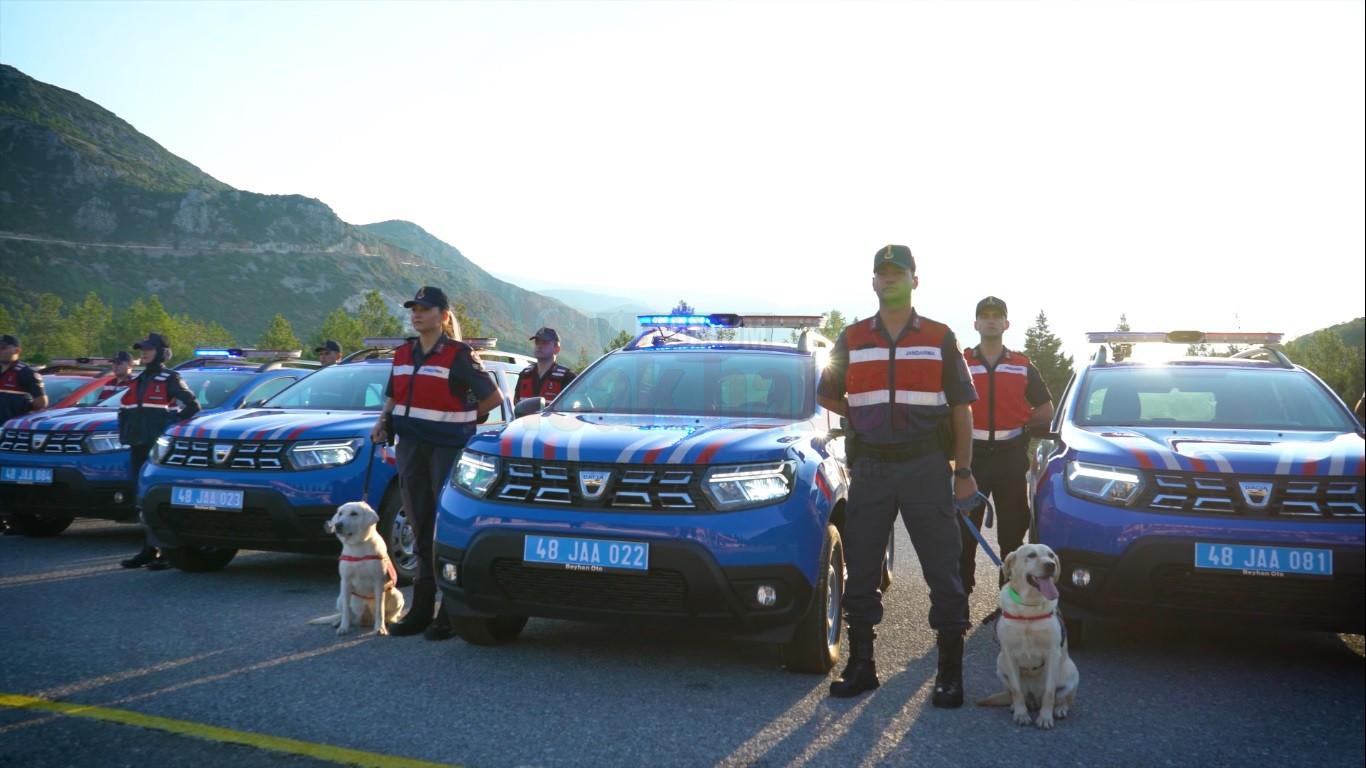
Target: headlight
column 475, row 472
column 104, row 442
column 1112, row 485
column 159, row 451
column 324, row 453
column 746, row 484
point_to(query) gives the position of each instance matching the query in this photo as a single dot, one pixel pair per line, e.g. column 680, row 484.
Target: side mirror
column 528, row 406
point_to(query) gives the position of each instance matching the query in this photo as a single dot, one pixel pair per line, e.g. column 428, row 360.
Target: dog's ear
column 371, row 516
column 1009, row 565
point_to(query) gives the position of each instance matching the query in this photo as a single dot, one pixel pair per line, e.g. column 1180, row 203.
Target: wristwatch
column 963, row 472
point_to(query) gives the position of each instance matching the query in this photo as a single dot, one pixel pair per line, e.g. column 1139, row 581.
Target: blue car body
column 87, row 483
column 1246, row 508
column 595, row 478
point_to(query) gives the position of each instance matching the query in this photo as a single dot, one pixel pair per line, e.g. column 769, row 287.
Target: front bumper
column 1142, row 563
column 85, row 485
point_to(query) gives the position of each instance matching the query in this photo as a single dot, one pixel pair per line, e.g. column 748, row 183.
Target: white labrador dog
column 367, row 575
column 1033, row 664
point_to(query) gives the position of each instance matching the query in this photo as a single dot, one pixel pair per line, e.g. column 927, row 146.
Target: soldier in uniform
column 21, row 387
column 123, row 375
column 900, row 379
column 330, row 353
column 546, row 378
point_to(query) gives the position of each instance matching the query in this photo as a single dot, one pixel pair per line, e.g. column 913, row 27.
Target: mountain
column 88, row 203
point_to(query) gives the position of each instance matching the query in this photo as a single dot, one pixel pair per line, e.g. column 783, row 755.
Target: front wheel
column 198, row 559
column 495, row 631
column 399, row 538
column 32, row 525
column 815, row 646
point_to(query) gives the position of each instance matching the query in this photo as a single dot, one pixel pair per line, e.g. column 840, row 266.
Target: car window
column 270, row 389
column 91, row 397
column 58, row 387
column 213, row 388
column 711, row 383
column 349, row 387
column 1233, row 398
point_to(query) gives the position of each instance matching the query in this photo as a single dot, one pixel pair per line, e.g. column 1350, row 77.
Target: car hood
column 1222, row 450
column 81, row 419
column 599, row 438
column 275, row 424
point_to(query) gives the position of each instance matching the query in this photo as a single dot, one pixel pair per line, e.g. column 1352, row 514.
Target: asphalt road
column 233, row 651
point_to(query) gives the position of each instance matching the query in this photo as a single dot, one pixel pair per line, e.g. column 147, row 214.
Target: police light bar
column 482, row 342
column 728, row 320
column 218, row 352
column 1181, row 337
column 81, row 361
column 383, row 342
column 255, row 354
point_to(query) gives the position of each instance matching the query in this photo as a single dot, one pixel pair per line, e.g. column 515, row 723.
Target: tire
column 398, row 537
column 198, row 559
column 495, row 631
column 815, row 645
column 38, row 527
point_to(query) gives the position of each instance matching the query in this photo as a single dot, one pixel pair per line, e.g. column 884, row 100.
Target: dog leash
column 965, row 506
column 369, row 467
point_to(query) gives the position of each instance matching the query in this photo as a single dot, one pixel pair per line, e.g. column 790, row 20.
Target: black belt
column 1000, row 446
column 894, row 451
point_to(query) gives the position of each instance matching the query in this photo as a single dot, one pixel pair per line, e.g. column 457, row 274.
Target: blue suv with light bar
column 686, row 477
column 1224, row 488
column 64, row 463
column 268, row 477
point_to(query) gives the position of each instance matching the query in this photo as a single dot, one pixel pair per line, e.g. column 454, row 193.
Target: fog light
column 448, row 572
column 766, row 595
column 1081, row 577
column 118, row 497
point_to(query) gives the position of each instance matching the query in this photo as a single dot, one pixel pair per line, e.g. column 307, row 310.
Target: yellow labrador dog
column 1033, row 663
column 368, row 578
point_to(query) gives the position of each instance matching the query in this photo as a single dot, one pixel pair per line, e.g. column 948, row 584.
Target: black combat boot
column 948, row 683
column 420, row 614
column 147, row 556
column 860, row 674
column 441, row 628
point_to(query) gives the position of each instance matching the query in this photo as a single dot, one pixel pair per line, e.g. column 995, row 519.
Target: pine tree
column 1341, row 367
column 341, row 327
column 45, row 332
column 620, row 340
column 279, row 335
column 90, row 321
column 1044, row 349
column 1121, row 351
column 375, row 318
column 833, row 324
column 470, row 327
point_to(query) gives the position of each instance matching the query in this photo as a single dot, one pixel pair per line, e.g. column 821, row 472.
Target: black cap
column 992, row 302
column 545, row 334
column 122, row 356
column 429, row 296
column 899, row 255
column 153, row 341
column 328, row 346
column 8, row 340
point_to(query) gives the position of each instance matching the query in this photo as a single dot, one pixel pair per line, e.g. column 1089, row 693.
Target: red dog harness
column 388, row 571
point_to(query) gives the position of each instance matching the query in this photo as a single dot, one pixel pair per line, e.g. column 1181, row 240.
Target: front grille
column 34, row 441
column 1179, row 586
column 660, row 592
column 604, row 486
column 226, row 454
column 228, row 525
column 1234, row 495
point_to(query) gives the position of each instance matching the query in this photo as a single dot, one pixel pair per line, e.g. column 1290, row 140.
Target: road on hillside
column 108, row 667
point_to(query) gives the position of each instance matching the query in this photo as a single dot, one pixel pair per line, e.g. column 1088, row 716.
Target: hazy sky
column 1189, row 164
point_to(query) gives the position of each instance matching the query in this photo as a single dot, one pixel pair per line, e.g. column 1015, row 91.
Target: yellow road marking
column 192, row 729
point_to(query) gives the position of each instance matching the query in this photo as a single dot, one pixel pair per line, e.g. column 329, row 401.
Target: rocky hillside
column 89, row 203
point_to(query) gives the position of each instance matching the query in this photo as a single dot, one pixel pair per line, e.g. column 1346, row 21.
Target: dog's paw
column 1022, row 717
column 342, row 630
column 1061, row 711
column 1045, row 720
column 381, row 631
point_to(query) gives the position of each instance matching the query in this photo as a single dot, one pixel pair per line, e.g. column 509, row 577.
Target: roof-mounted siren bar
column 383, row 342
column 249, row 353
column 74, row 361
column 482, row 342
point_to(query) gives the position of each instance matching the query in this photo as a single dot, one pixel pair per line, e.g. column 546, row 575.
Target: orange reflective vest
column 424, row 405
column 886, row 381
column 157, row 395
column 1003, row 410
column 554, row 381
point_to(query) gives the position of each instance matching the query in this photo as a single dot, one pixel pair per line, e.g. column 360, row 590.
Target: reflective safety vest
column 885, row 382
column 1003, row 409
column 157, row 394
column 424, row 405
column 114, row 385
column 554, row 381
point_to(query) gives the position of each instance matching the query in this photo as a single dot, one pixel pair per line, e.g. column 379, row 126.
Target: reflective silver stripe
column 919, row 353
column 145, row 405
column 1018, row 370
column 1001, row 434
column 977, row 370
column 434, row 370
column 431, row 414
column 403, row 370
column 867, row 355
column 903, row 397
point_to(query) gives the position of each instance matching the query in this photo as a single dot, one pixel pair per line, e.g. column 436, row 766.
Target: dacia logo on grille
column 1256, row 494
column 221, row 451
column 593, row 483
column 39, row 438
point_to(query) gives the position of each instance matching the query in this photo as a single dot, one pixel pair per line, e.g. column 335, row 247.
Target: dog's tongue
column 1048, row 589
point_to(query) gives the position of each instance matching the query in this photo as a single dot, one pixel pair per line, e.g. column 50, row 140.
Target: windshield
column 211, row 388
column 352, row 387
column 58, row 387
column 710, row 383
column 1222, row 398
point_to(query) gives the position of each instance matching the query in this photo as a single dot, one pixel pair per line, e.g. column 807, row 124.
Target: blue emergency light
column 218, row 352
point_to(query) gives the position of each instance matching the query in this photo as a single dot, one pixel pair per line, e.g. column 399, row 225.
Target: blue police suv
column 1226, row 488
column 66, row 463
column 677, row 478
column 268, row 477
